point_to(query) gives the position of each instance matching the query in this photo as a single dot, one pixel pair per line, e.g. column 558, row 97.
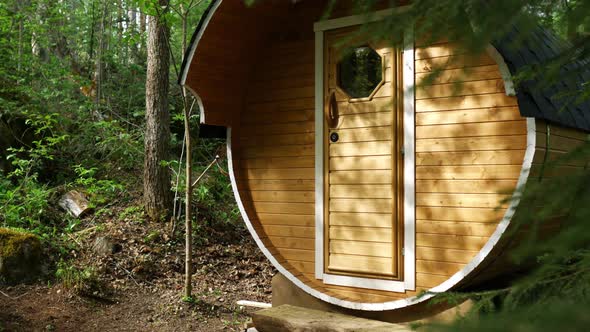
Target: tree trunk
column 141, row 33
column 156, row 178
column 99, row 68
column 133, row 31
column 120, row 26
column 188, row 258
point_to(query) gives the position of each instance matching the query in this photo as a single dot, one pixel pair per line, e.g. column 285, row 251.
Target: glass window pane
column 360, row 71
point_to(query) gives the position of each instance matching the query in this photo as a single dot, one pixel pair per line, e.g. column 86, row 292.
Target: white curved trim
column 445, row 286
column 504, row 71
column 199, row 103
column 191, row 53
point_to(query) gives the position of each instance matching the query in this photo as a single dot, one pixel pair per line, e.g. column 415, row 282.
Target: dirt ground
column 129, row 277
column 42, row 308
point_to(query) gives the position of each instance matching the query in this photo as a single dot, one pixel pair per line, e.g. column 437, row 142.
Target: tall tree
column 156, row 177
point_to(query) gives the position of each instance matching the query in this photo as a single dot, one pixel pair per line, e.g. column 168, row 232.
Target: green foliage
column 552, row 225
column 74, row 278
column 23, row 205
column 152, row 237
column 64, row 127
column 100, row 191
column 23, row 199
column 133, row 214
column 189, row 299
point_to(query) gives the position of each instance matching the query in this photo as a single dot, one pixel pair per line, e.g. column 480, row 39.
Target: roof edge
column 196, row 37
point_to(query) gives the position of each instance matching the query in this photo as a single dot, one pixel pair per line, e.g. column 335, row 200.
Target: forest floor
column 127, row 275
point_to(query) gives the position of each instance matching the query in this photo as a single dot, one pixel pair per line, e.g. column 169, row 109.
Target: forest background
column 73, row 77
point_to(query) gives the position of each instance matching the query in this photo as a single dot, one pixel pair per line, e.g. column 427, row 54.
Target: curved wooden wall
column 470, row 147
column 470, row 143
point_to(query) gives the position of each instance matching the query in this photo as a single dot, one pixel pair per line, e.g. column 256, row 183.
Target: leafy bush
column 556, row 294
column 100, row 191
column 74, row 278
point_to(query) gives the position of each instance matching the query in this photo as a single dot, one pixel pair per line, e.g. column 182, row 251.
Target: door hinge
column 403, row 251
column 403, row 151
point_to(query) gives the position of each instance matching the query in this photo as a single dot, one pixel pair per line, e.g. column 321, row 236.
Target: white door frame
column 408, row 250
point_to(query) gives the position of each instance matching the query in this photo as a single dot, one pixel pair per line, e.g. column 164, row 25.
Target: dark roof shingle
column 556, row 101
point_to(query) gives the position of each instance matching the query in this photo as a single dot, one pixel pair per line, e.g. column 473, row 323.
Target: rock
column 287, row 318
column 20, row 256
column 104, row 246
column 75, row 203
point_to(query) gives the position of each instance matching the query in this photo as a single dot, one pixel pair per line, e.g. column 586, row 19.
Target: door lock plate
column 334, row 137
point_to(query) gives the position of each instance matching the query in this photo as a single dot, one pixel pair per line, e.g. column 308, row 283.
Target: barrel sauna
column 360, row 189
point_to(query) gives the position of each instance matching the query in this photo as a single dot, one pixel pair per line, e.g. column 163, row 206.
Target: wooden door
column 363, row 158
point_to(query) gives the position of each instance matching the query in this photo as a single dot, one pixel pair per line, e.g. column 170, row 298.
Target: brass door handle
column 333, row 111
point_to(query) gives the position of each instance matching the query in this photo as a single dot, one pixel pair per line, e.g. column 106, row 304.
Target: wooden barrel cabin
column 360, row 189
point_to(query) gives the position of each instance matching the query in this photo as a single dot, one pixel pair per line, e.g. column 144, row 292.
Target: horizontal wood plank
column 377, row 104
column 280, row 106
column 438, row 50
column 304, row 267
column 289, row 231
column 246, row 184
column 459, row 75
column 364, row 120
column 297, row 254
column 459, row 214
column 475, row 172
column 372, row 220
column 427, row 280
column 361, row 234
column 285, row 219
column 382, row 133
column 460, row 89
column 280, row 94
column 461, row 200
column 276, row 162
column 360, row 163
column 376, row 265
column 465, row 186
column 279, row 173
column 445, row 255
column 292, row 243
column 438, row 268
column 455, row 228
column 512, row 142
column 361, row 205
column 507, row 157
column 279, row 196
column 276, row 151
column 360, row 149
column 465, row 102
column 360, row 177
column 361, row 191
column 452, row 62
column 490, row 114
column 472, row 129
column 278, row 117
column 302, row 127
column 371, row 249
column 276, row 140
column 462, row 242
column 285, row 208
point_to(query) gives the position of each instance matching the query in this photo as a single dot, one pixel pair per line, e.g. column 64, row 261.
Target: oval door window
column 360, row 71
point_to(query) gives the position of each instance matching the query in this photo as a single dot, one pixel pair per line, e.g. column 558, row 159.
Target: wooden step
column 288, row 318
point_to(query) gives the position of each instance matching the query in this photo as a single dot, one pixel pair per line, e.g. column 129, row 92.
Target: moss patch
column 20, row 255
